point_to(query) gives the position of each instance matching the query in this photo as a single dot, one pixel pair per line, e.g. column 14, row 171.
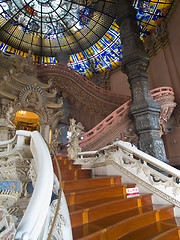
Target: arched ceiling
column 84, row 29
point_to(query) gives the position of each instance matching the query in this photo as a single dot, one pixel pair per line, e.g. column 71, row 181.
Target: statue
column 7, row 127
column 55, row 140
column 75, row 131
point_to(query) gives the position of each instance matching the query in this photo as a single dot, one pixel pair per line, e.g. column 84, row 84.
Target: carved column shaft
column 144, row 110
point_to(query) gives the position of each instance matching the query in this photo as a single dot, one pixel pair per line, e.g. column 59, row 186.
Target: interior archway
column 25, row 120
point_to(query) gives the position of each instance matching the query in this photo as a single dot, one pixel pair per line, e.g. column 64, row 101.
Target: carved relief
column 75, row 131
column 7, row 225
column 32, row 96
column 135, row 168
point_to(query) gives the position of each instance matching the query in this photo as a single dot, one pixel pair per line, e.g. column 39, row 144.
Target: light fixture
column 22, row 112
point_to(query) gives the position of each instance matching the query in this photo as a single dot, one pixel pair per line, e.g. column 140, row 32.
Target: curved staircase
column 101, row 210
column 118, row 125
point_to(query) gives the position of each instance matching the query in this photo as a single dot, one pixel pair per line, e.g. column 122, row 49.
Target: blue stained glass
column 60, row 16
column 103, row 43
column 1, row 46
column 84, row 16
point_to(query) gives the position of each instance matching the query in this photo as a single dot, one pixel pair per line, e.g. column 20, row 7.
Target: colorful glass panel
column 70, row 25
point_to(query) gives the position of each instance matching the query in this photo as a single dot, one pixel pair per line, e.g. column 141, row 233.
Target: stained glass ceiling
column 84, row 29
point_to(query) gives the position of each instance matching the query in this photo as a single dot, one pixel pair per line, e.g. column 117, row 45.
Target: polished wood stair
column 100, row 209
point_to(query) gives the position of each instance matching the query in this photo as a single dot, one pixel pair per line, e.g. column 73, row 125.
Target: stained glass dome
column 84, row 29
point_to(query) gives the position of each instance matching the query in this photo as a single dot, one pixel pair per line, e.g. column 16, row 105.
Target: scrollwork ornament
column 59, row 222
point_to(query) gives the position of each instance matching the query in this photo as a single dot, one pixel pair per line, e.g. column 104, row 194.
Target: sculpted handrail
column 124, row 159
column 84, row 82
column 37, row 210
column 129, row 148
column 8, row 142
column 7, row 147
column 119, row 113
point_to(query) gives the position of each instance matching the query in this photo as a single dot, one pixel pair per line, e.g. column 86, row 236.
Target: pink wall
column 119, row 83
column 164, row 70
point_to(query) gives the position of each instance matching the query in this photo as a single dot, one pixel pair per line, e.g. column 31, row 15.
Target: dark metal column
column 144, row 110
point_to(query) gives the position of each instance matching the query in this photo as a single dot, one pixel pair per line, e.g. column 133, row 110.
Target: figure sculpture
column 75, row 131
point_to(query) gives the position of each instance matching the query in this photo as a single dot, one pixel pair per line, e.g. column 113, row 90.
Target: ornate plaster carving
column 135, row 168
column 75, row 131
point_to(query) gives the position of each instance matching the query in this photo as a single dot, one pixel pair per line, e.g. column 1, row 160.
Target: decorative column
column 144, row 110
column 62, row 57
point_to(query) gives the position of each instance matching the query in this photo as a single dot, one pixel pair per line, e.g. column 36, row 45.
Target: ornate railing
column 8, row 146
column 118, row 121
column 69, row 73
column 124, row 159
column 35, row 215
column 43, row 217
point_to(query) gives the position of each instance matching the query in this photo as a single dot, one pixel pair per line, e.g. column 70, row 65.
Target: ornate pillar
column 62, row 57
column 144, row 110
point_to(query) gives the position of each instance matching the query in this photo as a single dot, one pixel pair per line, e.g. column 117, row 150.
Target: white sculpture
column 75, row 131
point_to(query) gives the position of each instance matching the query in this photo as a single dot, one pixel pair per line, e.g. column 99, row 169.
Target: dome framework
column 86, row 30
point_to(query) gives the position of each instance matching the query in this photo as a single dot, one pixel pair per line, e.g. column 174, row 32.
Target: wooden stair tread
column 70, row 167
column 92, row 213
column 173, row 234
column 97, row 189
column 89, row 204
column 114, row 228
column 108, row 201
column 64, row 161
column 93, row 194
column 152, row 230
column 99, row 202
column 75, row 174
column 99, row 208
column 91, row 183
column 75, row 170
column 105, row 222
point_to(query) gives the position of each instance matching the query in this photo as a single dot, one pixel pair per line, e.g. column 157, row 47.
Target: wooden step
column 62, row 158
column 102, row 210
column 94, row 194
column 152, row 231
column 118, row 225
column 173, row 234
column 69, row 167
column 75, row 174
column 90, row 183
column 64, row 162
column 96, row 202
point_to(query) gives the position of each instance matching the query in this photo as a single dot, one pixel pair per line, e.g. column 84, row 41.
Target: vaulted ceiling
column 84, row 29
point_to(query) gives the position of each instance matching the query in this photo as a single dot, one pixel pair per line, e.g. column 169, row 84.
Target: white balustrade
column 123, row 158
column 38, row 207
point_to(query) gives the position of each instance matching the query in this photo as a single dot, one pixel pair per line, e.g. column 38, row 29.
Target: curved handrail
column 159, row 177
column 59, row 194
column 138, row 154
column 8, row 146
column 162, row 166
column 8, row 142
column 37, row 210
column 85, row 82
column 120, row 112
